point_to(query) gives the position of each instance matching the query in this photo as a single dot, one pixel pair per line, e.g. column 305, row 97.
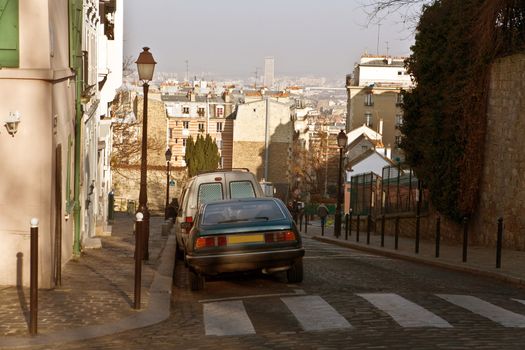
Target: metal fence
column 392, row 193
column 363, row 193
column 400, row 189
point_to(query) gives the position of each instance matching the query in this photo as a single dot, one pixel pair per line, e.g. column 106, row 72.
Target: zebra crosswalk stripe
column 315, row 314
column 519, row 300
column 492, row 312
column 403, row 311
column 226, row 318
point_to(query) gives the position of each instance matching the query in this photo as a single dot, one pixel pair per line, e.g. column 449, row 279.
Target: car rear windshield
column 243, row 211
column 209, row 192
column 241, row 189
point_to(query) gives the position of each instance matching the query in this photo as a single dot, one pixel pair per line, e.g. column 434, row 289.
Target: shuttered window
column 9, row 47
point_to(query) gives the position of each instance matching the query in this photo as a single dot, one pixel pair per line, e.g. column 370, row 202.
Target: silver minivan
column 211, row 186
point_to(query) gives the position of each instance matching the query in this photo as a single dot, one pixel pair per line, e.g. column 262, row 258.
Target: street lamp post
column 145, row 66
column 168, row 159
column 341, row 143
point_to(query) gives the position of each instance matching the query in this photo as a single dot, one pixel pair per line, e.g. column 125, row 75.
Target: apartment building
column 374, row 97
column 190, row 113
column 262, row 139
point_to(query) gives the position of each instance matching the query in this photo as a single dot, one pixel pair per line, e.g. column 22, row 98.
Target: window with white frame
column 219, row 127
column 220, row 111
column 186, row 125
column 186, row 110
column 201, row 127
column 399, row 120
column 201, row 111
column 369, row 101
column 218, row 143
column 368, row 119
column 184, row 142
column 397, row 141
column 399, row 99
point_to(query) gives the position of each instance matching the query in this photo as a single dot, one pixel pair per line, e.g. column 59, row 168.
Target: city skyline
column 231, row 39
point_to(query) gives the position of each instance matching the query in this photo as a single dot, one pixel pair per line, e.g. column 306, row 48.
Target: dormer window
column 185, row 110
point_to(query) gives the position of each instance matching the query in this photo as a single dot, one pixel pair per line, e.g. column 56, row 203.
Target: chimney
column 192, row 95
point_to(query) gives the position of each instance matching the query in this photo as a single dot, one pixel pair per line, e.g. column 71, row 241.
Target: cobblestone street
column 349, row 300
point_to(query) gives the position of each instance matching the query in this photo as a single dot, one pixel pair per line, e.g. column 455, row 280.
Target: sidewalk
column 97, row 292
column 480, row 260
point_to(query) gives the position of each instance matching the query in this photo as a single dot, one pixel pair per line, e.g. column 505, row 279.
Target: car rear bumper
column 233, row 262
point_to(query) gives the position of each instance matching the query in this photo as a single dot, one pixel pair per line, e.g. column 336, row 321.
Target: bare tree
column 410, row 10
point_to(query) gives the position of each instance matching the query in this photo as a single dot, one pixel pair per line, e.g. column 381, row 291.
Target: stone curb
column 516, row 281
column 158, row 310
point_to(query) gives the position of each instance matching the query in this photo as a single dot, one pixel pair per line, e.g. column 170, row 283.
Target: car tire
column 179, row 253
column 195, row 280
column 295, row 273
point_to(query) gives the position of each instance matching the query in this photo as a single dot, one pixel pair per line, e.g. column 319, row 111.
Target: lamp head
column 168, row 154
column 341, row 139
column 11, row 123
column 145, row 65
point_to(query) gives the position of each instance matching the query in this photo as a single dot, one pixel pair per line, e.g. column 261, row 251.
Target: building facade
column 190, row 114
column 262, row 141
column 374, row 98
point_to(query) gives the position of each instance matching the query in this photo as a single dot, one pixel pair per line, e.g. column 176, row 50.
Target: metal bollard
column 306, row 223
column 417, row 234
column 438, row 235
column 33, row 279
column 346, row 226
column 358, row 224
column 465, row 238
column 396, row 234
column 499, row 243
column 350, row 223
column 138, row 258
column 300, row 222
column 383, row 230
column 368, row 224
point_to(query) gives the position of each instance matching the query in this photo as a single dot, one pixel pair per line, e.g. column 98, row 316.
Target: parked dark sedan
column 243, row 235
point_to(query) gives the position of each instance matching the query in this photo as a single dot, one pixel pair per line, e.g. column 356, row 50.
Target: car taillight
column 284, row 236
column 189, row 223
column 210, row 241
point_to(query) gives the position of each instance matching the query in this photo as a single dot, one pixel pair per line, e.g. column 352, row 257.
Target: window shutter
column 9, row 48
column 75, row 33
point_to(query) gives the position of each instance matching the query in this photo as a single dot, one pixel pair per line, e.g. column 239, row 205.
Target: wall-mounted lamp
column 11, row 123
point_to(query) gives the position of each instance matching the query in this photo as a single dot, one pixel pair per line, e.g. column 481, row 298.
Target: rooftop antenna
column 256, row 77
column 187, row 70
column 378, row 31
column 387, row 48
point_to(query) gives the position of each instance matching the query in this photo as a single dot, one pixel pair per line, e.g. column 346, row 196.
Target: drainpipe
column 76, row 186
column 266, row 150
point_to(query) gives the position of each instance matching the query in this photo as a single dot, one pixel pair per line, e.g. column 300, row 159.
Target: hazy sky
column 230, row 38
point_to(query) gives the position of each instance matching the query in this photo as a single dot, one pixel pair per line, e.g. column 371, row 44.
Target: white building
column 269, row 72
column 381, row 71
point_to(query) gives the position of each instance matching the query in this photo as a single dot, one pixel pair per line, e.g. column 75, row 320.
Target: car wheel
column 295, row 273
column 196, row 280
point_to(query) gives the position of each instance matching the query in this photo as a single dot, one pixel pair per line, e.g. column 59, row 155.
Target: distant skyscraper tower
column 268, row 71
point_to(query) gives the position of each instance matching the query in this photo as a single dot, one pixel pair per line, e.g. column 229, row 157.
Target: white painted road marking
column 492, row 312
column 226, row 318
column 519, row 300
column 405, row 312
column 315, row 314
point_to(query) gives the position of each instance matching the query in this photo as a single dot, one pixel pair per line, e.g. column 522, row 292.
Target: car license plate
column 258, row 238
